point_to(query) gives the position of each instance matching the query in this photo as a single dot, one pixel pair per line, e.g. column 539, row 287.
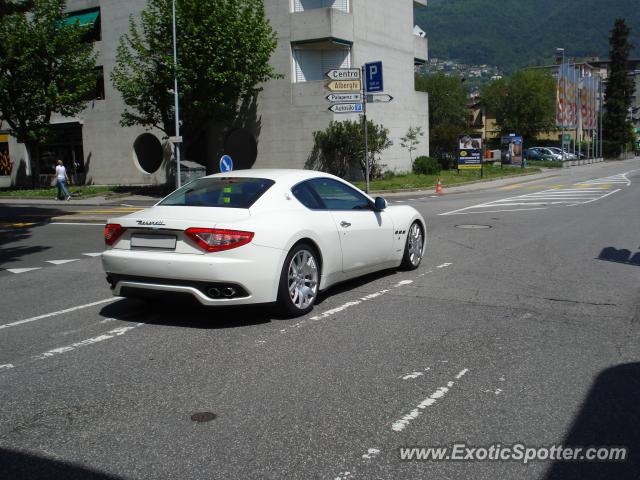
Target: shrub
column 426, row 166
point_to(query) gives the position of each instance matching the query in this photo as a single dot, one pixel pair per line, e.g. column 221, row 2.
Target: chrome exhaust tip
column 213, row 292
column 228, row 292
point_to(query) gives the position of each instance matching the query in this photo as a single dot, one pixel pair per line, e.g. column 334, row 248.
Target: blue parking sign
column 373, row 77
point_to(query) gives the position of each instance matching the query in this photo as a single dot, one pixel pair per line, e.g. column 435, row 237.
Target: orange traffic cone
column 439, row 187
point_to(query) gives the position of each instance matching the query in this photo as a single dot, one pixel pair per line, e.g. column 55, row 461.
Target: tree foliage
column 8, row 7
column 411, row 140
column 523, row 103
column 339, row 149
column 447, row 111
column 223, row 48
column 45, row 68
column 616, row 125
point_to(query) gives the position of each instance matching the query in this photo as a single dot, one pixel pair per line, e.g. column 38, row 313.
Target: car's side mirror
column 380, row 204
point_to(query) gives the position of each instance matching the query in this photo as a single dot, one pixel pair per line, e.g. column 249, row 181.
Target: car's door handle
column 345, row 224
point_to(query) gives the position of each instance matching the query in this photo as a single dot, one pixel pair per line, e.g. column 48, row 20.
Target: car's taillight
column 216, row 240
column 112, row 232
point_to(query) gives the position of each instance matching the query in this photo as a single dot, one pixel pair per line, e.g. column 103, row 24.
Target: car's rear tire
column 299, row 281
column 413, row 248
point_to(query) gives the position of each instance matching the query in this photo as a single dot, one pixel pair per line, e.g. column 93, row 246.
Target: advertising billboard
column 469, row 152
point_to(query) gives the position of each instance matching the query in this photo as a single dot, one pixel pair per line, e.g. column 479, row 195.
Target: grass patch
column 52, row 192
column 449, row 177
column 85, row 191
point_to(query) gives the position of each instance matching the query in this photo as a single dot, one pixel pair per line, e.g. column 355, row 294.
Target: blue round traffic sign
column 226, row 163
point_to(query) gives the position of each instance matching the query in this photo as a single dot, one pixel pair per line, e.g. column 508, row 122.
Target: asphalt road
column 524, row 332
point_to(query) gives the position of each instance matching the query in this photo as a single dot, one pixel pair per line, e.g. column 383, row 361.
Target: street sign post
column 379, row 98
column 344, row 97
column 346, row 108
column 344, row 74
column 226, row 164
column 373, row 77
column 344, row 85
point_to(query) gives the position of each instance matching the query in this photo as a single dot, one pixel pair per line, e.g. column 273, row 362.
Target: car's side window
column 338, row 196
column 307, row 196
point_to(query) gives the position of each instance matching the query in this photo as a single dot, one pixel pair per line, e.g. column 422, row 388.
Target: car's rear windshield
column 226, row 192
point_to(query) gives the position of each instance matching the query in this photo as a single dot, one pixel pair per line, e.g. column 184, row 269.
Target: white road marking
column 6, row 366
column 62, row 262
column 96, row 254
column 402, row 283
column 581, row 193
column 116, row 332
column 402, row 423
column 59, row 312
column 412, row 375
column 22, row 270
column 371, row 453
column 444, row 265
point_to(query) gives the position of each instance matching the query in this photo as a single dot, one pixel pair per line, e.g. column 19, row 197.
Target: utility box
column 190, row 171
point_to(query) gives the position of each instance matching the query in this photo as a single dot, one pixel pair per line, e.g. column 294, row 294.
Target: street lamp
column 178, row 140
column 564, row 104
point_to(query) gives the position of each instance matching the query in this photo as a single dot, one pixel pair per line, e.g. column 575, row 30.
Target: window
column 307, row 196
column 338, row 196
column 302, row 5
column 311, row 64
column 238, row 192
column 98, row 92
column 90, row 19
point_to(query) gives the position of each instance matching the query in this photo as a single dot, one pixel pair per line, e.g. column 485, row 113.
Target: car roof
column 282, row 175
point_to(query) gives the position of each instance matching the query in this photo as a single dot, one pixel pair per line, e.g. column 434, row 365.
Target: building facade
column 314, row 36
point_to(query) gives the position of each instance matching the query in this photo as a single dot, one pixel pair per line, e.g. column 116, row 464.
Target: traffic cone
column 439, row 187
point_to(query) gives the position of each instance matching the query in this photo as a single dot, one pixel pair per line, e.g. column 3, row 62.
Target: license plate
column 167, row 242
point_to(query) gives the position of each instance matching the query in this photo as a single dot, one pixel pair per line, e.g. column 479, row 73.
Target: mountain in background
column 516, row 33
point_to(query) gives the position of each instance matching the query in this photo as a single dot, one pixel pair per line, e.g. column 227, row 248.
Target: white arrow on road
column 61, row 262
column 22, row 270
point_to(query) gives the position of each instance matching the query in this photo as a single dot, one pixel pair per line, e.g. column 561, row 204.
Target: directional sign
column 344, row 97
column 226, row 163
column 346, row 108
column 344, row 74
column 379, row 98
column 373, row 77
column 344, row 85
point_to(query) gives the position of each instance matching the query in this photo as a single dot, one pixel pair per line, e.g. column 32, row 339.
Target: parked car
column 259, row 236
column 536, row 153
column 567, row 155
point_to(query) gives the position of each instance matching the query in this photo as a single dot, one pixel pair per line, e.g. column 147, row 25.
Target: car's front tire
column 413, row 248
column 299, row 281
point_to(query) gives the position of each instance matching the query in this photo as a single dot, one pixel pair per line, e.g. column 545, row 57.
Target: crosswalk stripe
column 95, row 254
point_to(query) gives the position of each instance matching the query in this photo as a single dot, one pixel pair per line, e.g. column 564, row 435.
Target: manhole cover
column 473, row 227
column 202, row 417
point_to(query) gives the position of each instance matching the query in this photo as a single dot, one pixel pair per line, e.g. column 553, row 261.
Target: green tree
column 616, row 126
column 522, row 103
column 339, row 149
column 223, row 56
column 45, row 68
column 447, row 112
column 411, row 140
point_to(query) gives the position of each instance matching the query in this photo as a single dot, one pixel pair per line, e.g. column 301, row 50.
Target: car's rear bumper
column 252, row 272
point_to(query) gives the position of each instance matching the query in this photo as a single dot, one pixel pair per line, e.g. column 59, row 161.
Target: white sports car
column 259, row 236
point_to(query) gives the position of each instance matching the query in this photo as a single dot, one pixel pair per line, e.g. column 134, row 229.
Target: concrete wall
column 290, row 112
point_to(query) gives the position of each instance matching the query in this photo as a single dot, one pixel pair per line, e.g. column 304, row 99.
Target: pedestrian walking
column 62, row 180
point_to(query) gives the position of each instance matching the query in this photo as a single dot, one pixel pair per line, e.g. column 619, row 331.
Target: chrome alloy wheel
column 302, row 279
column 416, row 244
